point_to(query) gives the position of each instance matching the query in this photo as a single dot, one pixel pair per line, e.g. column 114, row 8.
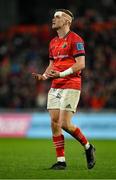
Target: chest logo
column 64, row 45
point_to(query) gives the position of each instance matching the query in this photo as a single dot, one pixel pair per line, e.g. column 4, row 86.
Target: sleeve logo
column 79, row 46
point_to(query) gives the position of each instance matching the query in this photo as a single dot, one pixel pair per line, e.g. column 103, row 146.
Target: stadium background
column 25, row 32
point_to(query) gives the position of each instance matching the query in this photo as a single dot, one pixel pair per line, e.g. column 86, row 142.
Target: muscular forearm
column 75, row 68
column 48, row 69
column 44, row 75
column 79, row 65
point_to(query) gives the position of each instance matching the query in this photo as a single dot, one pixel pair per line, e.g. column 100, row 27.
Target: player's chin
column 54, row 27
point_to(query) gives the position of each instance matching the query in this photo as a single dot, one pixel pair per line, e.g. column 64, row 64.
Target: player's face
column 58, row 22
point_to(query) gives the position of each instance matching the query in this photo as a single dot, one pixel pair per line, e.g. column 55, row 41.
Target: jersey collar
column 65, row 35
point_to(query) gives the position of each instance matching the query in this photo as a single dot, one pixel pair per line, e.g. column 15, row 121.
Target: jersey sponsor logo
column 64, row 45
column 60, row 56
column 79, row 46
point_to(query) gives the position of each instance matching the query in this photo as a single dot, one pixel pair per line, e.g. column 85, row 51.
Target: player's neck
column 62, row 32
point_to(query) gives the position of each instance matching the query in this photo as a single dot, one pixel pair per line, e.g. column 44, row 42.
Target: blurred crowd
column 24, row 49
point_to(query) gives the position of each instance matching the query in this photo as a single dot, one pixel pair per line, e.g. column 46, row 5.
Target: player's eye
column 58, row 17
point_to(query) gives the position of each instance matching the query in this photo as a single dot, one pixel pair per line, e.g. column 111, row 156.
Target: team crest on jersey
column 79, row 46
column 64, row 45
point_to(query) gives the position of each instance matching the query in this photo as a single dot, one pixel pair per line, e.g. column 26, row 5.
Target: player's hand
column 53, row 74
column 38, row 77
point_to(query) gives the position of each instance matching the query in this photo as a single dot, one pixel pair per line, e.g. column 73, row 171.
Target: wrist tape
column 66, row 72
column 44, row 75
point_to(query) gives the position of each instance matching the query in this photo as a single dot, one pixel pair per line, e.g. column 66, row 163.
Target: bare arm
column 77, row 66
column 48, row 69
column 44, row 75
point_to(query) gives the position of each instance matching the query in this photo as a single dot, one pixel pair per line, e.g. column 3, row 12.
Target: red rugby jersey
column 63, row 52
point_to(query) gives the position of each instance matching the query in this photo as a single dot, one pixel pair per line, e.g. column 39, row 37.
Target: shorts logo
column 79, row 46
column 68, row 106
column 58, row 96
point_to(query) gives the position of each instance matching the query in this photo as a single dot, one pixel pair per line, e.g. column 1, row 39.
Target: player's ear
column 68, row 22
column 65, row 22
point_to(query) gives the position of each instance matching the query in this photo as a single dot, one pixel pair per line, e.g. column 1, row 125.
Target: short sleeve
column 50, row 53
column 78, row 48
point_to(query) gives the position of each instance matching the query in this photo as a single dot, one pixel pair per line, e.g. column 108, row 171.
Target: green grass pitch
column 31, row 158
